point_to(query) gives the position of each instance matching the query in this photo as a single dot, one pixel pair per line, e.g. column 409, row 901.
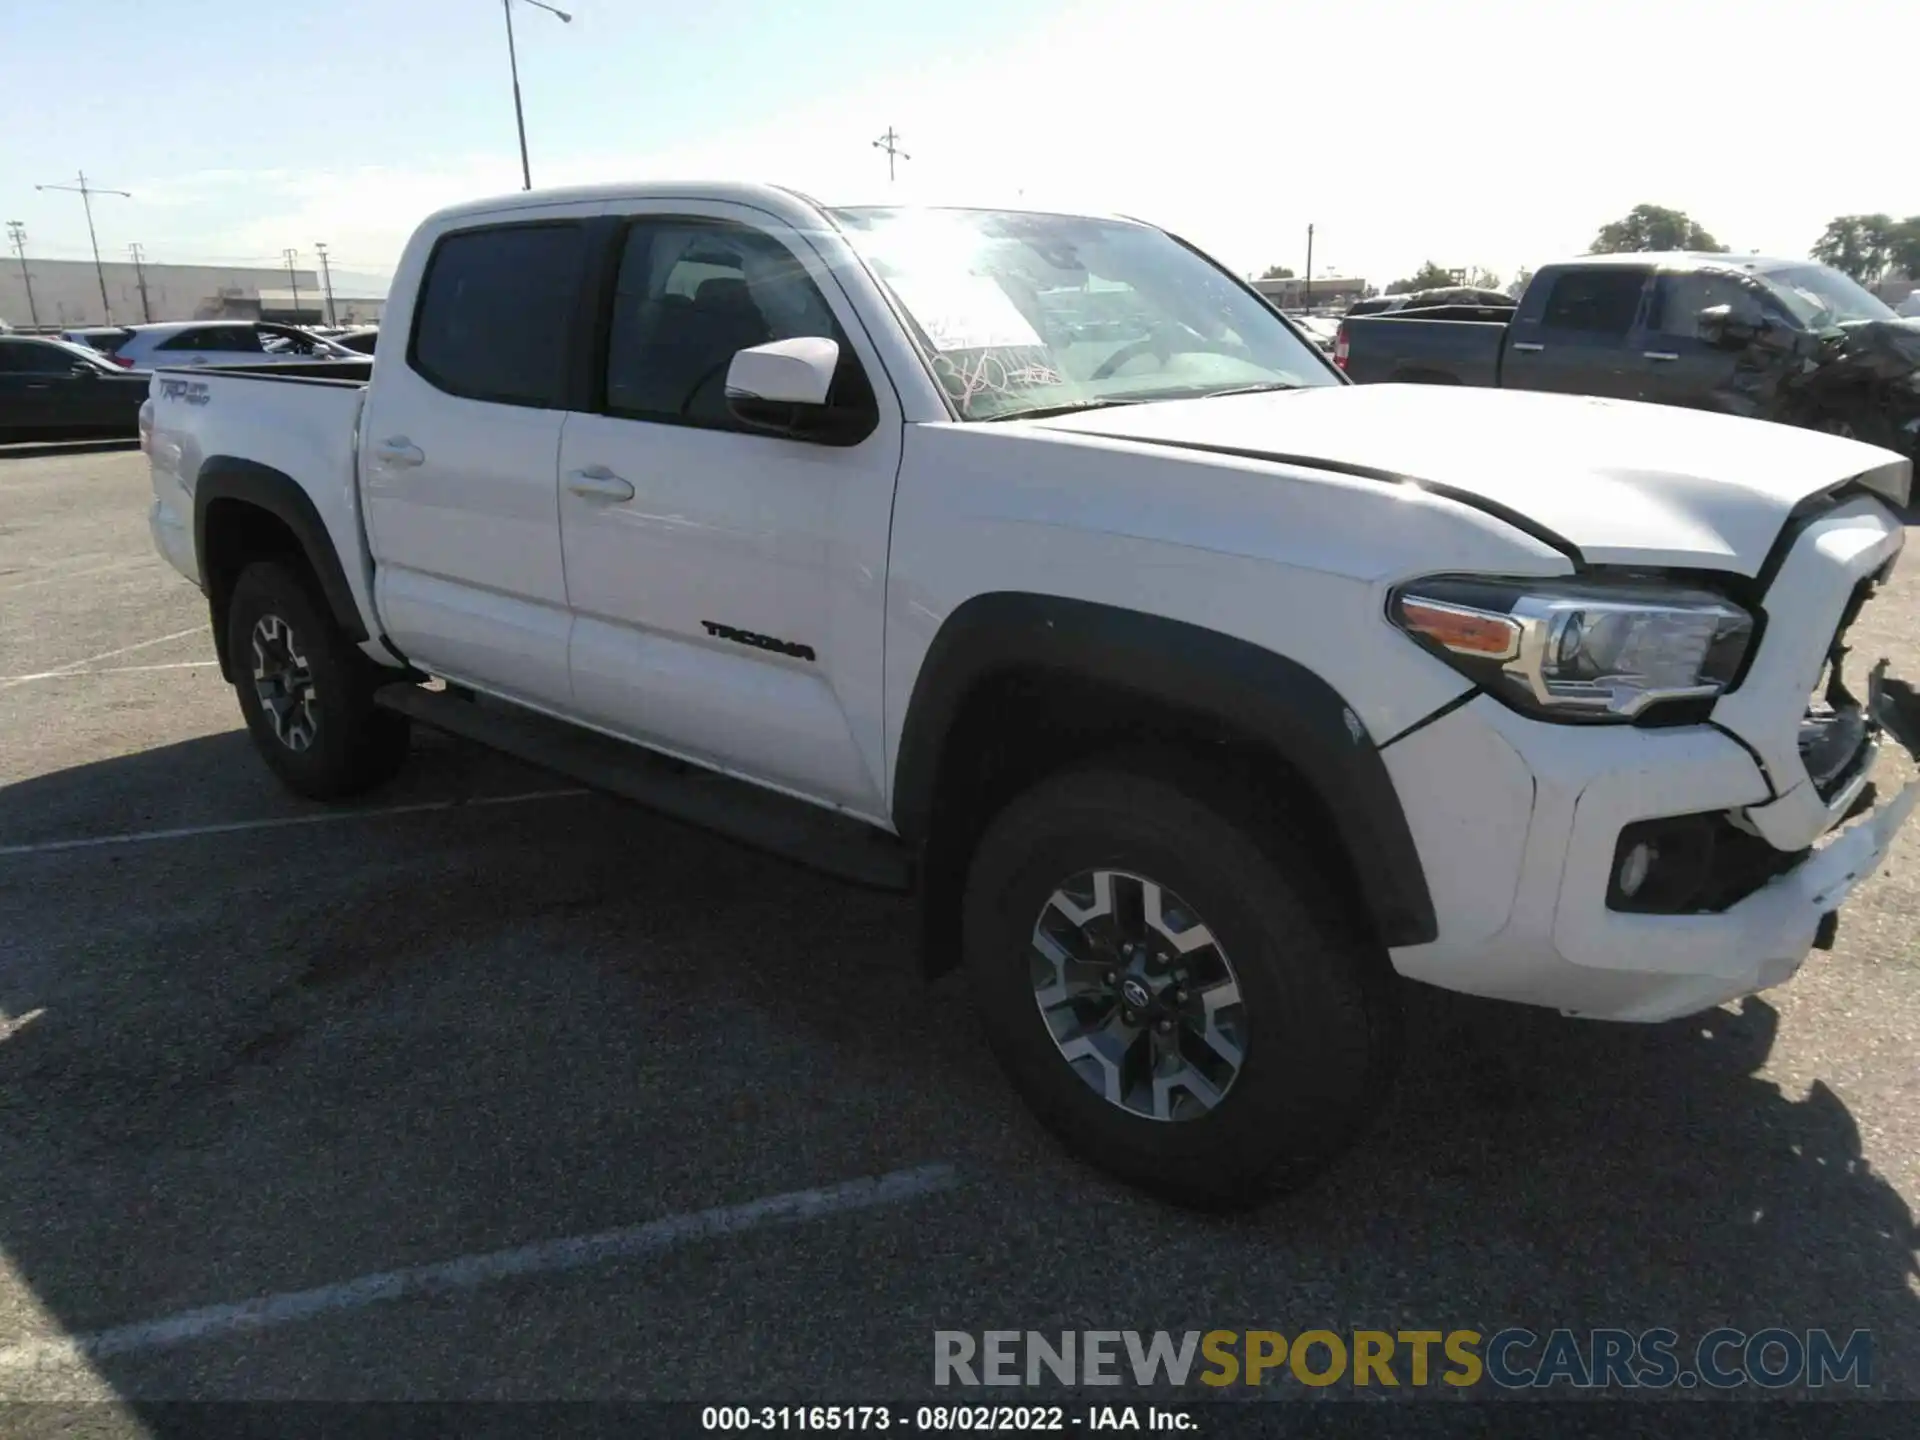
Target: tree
column 1868, row 246
column 1276, row 272
column 1428, row 277
column 1653, row 227
column 1518, row 286
column 1857, row 245
column 1903, row 250
column 1481, row 278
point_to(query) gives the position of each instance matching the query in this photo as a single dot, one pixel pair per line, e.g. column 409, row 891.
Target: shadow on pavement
column 279, row 1059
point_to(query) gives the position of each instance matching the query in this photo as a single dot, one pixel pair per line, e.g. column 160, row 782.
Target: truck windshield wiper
column 1041, row 412
column 1259, row 389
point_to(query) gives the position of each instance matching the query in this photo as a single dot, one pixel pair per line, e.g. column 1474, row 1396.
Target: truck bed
column 1413, row 349
column 298, row 419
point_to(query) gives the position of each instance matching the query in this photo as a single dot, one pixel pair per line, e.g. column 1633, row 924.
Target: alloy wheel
column 1138, row 995
column 283, row 680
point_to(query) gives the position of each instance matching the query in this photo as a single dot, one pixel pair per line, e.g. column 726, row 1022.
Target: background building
column 66, row 293
column 1327, row 291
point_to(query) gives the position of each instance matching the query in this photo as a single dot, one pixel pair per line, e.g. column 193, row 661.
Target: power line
column 86, row 193
column 890, row 142
column 17, row 233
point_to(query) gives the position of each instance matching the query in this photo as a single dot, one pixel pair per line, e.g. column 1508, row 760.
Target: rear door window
column 1601, row 301
column 495, row 315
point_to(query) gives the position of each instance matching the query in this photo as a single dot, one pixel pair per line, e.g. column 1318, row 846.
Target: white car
column 223, row 342
column 1198, row 692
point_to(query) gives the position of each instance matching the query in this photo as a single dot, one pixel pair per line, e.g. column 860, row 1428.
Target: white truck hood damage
column 1619, row 482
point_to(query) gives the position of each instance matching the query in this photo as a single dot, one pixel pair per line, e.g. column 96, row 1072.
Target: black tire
column 1321, row 1018
column 350, row 745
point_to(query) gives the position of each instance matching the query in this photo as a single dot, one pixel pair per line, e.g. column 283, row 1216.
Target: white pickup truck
column 1034, row 561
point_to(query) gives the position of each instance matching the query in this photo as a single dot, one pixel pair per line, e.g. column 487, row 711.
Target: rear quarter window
column 495, row 313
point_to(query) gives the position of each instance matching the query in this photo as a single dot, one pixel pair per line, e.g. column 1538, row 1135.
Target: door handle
column 399, row 451
column 1528, row 345
column 599, row 483
column 1661, row 354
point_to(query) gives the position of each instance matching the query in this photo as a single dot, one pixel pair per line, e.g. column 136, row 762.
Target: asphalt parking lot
column 251, row 1049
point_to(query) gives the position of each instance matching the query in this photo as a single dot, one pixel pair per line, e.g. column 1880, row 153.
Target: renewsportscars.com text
column 1513, row 1358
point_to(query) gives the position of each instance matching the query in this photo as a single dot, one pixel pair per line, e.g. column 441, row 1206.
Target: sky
column 1475, row 133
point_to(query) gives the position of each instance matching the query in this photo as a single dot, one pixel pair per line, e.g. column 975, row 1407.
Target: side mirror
column 783, row 387
column 1719, row 326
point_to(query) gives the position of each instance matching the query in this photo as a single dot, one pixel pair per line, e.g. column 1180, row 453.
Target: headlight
column 1578, row 650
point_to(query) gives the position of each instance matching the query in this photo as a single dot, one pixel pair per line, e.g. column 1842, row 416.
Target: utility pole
column 326, row 274
column 1309, row 304
column 140, row 270
column 86, row 193
column 890, row 142
column 293, row 278
column 17, row 233
column 513, row 61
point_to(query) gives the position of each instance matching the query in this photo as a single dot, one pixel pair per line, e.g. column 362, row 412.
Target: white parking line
column 472, row 1272
column 230, row 827
column 106, row 670
column 109, row 655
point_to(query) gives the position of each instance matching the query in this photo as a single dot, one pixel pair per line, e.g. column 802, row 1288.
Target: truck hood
column 1616, row 481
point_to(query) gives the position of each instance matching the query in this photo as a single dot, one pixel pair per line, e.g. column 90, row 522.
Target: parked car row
column 90, row 380
column 208, row 342
column 55, row 387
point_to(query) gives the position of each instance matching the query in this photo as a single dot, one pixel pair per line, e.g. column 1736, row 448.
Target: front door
column 457, row 449
column 1678, row 367
column 727, row 585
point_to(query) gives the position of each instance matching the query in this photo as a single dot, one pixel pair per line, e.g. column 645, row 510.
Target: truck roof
column 1686, row 260
column 780, row 199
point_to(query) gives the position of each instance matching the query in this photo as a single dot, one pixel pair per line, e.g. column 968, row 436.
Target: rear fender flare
column 228, row 477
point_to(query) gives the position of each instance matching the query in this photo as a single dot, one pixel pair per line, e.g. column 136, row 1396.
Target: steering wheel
column 1133, row 350
column 707, row 377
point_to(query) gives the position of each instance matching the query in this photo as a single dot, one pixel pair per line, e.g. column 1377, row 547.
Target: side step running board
column 804, row 833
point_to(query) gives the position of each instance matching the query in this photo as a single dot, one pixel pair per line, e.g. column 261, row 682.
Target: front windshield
column 1020, row 312
column 1819, row 297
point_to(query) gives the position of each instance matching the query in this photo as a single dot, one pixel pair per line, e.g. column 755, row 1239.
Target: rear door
column 1677, row 366
column 459, row 441
column 1575, row 331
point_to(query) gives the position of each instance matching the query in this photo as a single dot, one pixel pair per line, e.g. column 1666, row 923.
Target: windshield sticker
column 964, row 312
column 996, row 375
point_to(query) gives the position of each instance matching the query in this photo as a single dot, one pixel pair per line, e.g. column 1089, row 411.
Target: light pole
column 326, row 276
column 140, row 270
column 1309, row 292
column 293, row 278
column 17, row 233
column 86, row 193
column 513, row 62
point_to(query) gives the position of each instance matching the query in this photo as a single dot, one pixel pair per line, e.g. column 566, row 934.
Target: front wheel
column 1182, row 1003
column 306, row 690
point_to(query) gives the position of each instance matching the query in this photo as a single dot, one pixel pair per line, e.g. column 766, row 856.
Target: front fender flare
column 1242, row 687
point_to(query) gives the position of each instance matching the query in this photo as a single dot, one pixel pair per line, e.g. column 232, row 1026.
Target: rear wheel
column 1181, row 1002
column 305, row 688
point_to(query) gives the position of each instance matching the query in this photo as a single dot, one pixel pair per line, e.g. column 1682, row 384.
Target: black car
column 54, row 388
